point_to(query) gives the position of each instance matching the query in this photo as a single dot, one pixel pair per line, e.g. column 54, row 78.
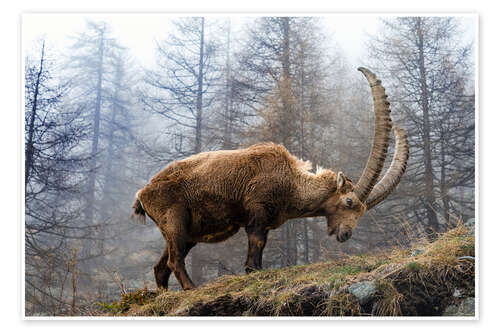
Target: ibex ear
column 340, row 180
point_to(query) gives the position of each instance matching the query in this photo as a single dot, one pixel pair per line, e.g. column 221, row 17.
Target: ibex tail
column 139, row 214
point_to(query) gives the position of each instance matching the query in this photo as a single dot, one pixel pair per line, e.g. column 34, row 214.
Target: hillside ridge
column 429, row 279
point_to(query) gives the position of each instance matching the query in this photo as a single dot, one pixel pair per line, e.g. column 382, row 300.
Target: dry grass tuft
column 406, row 280
column 390, row 300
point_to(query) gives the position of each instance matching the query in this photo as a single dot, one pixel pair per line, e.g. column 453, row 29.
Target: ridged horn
column 383, row 125
column 393, row 175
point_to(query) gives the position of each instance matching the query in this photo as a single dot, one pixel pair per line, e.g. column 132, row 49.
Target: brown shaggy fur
column 209, row 196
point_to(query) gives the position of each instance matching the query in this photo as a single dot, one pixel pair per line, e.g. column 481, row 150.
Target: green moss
column 349, row 270
column 140, row 297
column 414, row 266
column 113, row 308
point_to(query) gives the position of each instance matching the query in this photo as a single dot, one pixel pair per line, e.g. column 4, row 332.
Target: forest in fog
column 99, row 124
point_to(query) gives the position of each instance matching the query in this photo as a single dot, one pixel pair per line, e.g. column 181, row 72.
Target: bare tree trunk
column 107, row 207
column 89, row 214
column 286, row 46
column 91, row 189
column 293, row 242
column 228, row 113
column 284, row 245
column 316, row 242
column 306, row 241
column 31, row 128
column 199, row 95
column 287, row 233
column 196, row 262
column 72, row 269
column 444, row 187
column 110, row 151
column 302, row 144
column 433, row 224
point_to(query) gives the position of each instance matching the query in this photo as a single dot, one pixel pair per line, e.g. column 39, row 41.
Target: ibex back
column 208, row 197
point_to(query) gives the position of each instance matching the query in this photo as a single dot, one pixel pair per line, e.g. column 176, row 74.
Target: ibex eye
column 348, row 202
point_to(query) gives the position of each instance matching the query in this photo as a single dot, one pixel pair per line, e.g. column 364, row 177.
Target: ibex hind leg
column 162, row 271
column 178, row 244
column 177, row 254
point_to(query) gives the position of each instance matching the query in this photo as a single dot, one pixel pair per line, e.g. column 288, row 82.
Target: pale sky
column 139, row 31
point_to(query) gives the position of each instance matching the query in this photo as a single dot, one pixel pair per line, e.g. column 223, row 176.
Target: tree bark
column 199, row 93
column 228, row 97
column 444, row 187
column 306, row 241
column 95, row 138
column 316, row 241
column 430, row 198
column 91, row 189
column 110, row 150
column 31, row 128
column 284, row 136
column 196, row 262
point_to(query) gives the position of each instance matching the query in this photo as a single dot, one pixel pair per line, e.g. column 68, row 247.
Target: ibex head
column 350, row 201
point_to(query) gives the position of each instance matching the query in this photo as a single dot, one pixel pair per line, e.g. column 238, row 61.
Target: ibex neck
column 311, row 191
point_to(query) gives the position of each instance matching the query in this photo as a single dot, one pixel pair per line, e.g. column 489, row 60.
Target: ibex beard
column 209, row 196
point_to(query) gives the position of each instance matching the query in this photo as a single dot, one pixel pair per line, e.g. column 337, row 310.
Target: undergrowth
column 407, row 284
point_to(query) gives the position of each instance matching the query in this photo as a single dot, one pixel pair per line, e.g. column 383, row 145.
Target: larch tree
column 181, row 91
column 429, row 70
column 99, row 71
column 53, row 183
column 281, row 81
column 92, row 54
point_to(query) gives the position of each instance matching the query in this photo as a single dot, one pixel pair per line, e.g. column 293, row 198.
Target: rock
column 363, row 291
column 450, row 310
column 470, row 222
column 415, row 252
column 466, row 308
column 471, row 225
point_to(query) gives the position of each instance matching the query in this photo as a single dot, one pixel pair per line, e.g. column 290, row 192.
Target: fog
column 111, row 99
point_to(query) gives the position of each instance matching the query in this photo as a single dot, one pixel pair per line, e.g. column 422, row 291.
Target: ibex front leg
column 257, row 237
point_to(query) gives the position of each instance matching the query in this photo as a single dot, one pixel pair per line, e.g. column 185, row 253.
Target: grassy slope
column 418, row 281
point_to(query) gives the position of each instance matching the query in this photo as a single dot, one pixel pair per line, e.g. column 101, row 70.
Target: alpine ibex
column 207, row 197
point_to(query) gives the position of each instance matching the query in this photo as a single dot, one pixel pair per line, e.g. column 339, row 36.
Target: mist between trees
column 98, row 126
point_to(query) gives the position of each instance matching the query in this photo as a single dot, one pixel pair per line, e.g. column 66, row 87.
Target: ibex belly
column 215, row 222
column 219, row 236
